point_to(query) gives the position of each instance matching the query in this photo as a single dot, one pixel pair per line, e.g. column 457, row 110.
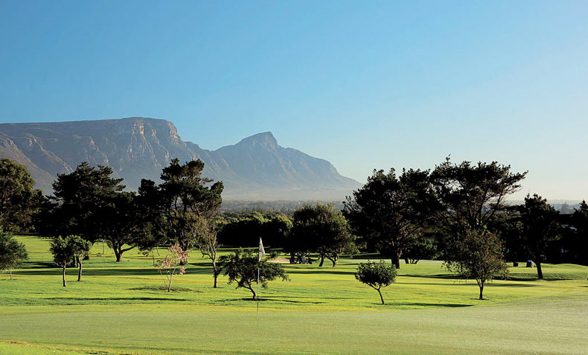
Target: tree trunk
column 254, row 294
column 118, row 255
column 322, row 261
column 381, row 298
column 10, row 274
column 539, row 271
column 215, row 272
column 481, row 292
column 170, row 282
column 79, row 268
column 63, row 275
column 396, row 259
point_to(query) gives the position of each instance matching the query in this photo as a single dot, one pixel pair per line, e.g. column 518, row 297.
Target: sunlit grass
column 122, row 308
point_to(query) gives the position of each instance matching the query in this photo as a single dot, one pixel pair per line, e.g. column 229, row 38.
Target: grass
column 120, row 308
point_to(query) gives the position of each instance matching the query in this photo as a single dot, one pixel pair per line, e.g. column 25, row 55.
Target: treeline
column 412, row 215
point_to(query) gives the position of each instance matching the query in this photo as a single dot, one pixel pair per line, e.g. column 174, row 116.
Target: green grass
column 119, row 308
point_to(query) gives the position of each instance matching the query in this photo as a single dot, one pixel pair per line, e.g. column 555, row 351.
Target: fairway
column 120, row 309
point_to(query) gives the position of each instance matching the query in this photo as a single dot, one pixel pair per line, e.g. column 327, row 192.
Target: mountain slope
column 257, row 168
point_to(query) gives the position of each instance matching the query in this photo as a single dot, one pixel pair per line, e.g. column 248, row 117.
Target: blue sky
column 363, row 84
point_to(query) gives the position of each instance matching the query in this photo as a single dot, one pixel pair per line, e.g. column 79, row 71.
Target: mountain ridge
column 255, row 168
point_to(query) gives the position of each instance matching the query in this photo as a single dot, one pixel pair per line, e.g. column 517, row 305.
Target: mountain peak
column 263, row 139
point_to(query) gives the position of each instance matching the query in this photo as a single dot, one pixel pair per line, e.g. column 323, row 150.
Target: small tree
column 12, row 253
column 67, row 250
column 376, row 275
column 208, row 245
column 81, row 249
column 168, row 266
column 242, row 268
column 479, row 255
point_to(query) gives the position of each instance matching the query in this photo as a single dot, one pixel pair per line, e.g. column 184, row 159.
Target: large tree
column 18, row 199
column 183, row 205
column 579, row 242
column 472, row 194
column 540, row 228
column 78, row 204
column 390, row 211
column 323, row 230
column 12, row 253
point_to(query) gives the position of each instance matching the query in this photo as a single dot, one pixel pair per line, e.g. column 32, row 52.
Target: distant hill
column 257, row 168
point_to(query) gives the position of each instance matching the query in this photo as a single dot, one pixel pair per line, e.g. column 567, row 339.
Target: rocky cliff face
column 257, row 168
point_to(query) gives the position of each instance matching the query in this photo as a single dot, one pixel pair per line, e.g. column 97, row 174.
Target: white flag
column 261, row 250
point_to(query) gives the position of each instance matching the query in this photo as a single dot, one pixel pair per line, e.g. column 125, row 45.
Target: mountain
column 256, row 168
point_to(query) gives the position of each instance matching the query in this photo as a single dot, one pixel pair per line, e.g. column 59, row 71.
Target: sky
column 363, row 84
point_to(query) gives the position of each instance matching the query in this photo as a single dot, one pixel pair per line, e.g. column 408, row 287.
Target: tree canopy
column 18, row 198
column 390, row 211
column 471, row 194
column 12, row 252
column 321, row 229
column 376, row 275
column 244, row 267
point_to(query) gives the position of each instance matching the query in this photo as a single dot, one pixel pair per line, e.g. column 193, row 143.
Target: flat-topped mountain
column 257, row 168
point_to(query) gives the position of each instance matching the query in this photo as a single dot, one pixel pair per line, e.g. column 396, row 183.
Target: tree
column 540, row 228
column 478, row 255
column 67, row 250
column 207, row 243
column 376, row 275
column 471, row 195
column 168, row 266
column 243, row 267
column 185, row 200
column 245, row 230
column 579, row 242
column 390, row 212
column 12, row 253
column 321, row 229
column 120, row 223
column 18, row 199
column 79, row 201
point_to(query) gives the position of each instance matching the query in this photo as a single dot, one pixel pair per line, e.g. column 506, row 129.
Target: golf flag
column 261, row 250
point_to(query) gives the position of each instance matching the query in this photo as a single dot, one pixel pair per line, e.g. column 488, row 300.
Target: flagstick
column 260, row 256
column 257, row 291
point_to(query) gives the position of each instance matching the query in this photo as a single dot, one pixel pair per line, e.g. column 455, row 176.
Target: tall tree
column 79, row 201
column 18, row 199
column 540, row 228
column 471, row 195
column 580, row 224
column 390, row 212
column 185, row 201
column 321, row 229
column 12, row 253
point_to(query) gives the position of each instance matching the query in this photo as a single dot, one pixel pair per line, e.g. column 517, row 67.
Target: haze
column 365, row 85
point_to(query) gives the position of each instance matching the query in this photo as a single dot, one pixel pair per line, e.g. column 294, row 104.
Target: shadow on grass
column 319, row 271
column 122, row 271
column 424, row 304
column 117, row 299
column 163, row 288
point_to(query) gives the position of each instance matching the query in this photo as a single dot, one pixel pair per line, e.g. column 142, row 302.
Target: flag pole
column 260, row 256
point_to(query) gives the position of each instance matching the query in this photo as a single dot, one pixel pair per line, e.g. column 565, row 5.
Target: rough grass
column 120, row 308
